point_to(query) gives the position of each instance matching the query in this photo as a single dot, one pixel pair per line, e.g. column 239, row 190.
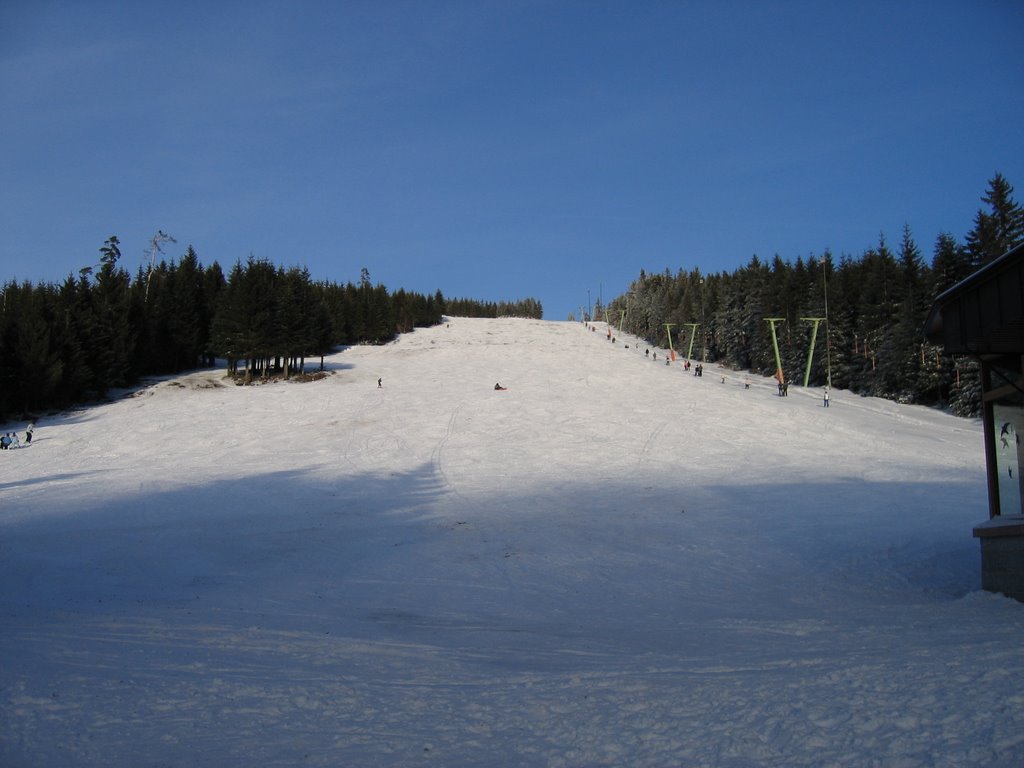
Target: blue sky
column 498, row 150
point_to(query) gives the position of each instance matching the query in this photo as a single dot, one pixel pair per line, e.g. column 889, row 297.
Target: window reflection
column 1009, row 427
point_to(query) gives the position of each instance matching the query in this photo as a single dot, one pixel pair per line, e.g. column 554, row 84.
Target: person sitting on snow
column 499, row 387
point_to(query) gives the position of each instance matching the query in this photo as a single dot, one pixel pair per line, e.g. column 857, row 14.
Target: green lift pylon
column 672, row 352
column 775, row 343
column 693, row 335
column 810, row 351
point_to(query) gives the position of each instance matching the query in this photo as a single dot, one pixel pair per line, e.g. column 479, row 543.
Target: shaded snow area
column 612, row 563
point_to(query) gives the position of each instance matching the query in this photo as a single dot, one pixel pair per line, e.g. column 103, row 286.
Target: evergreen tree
column 214, row 284
column 914, row 302
column 295, row 332
column 965, row 395
column 73, row 322
column 189, row 317
column 38, row 363
column 951, row 263
column 112, row 344
column 8, row 378
column 229, row 337
column 998, row 229
column 153, row 289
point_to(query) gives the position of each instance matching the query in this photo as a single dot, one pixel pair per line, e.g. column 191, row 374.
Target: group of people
column 10, row 440
column 698, row 370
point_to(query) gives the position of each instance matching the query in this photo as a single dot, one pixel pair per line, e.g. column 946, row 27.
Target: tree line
column 529, row 308
column 876, row 306
column 69, row 343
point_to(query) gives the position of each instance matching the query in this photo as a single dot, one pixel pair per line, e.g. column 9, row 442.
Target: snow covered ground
column 612, row 563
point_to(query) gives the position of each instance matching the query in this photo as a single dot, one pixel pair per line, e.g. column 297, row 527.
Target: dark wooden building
column 983, row 317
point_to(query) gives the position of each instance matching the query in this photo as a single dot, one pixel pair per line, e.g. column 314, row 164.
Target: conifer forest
column 72, row 343
column 858, row 319
column 876, row 306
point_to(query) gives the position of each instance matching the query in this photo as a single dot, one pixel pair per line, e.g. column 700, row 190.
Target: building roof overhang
column 982, row 315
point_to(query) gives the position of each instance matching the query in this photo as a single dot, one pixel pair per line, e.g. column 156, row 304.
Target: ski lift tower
column 671, row 350
column 828, row 342
column 154, row 248
column 704, row 335
column 815, row 322
column 693, row 334
column 775, row 344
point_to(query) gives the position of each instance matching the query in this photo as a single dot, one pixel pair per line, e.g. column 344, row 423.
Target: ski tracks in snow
column 652, row 438
column 371, row 444
column 437, row 454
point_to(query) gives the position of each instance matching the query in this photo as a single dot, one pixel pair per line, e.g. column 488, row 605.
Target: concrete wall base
column 1002, row 555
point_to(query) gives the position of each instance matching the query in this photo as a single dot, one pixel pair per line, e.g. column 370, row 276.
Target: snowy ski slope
column 612, row 563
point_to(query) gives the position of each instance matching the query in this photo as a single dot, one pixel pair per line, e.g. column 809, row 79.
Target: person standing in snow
column 28, row 433
column 825, row 403
column 379, row 385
